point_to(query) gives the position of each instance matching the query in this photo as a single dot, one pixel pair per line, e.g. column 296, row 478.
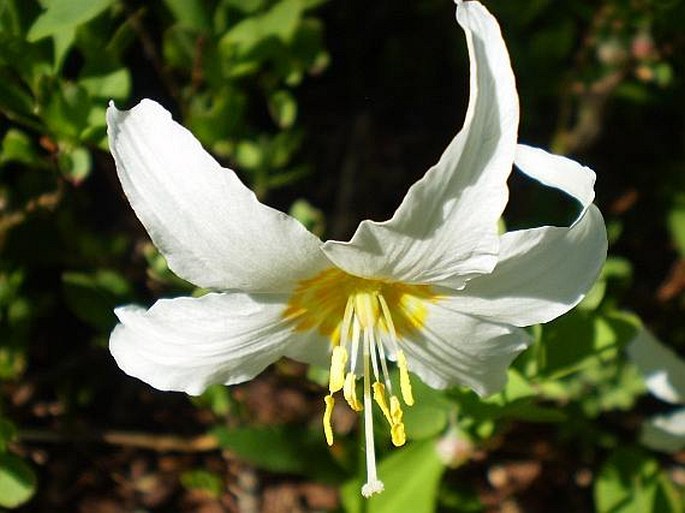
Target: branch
column 149, row 441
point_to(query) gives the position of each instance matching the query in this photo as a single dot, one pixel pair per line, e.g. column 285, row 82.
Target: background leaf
column 411, row 476
column 17, row 481
column 65, row 14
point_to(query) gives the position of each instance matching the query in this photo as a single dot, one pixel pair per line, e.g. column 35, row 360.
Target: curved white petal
column 445, row 230
column 662, row 369
column 542, row 272
column 209, row 226
column 453, row 348
column 665, row 432
column 186, row 344
column 556, row 171
column 309, row 347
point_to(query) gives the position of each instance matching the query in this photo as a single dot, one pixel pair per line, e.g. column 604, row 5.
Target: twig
column 150, row 51
column 583, row 106
column 355, row 154
column 149, row 441
column 589, row 113
column 46, row 201
column 246, row 490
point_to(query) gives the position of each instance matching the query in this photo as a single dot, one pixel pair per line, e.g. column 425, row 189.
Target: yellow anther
column 396, row 425
column 379, row 397
column 327, row 414
column 337, row 375
column 405, row 383
column 398, row 435
column 396, row 413
column 350, row 392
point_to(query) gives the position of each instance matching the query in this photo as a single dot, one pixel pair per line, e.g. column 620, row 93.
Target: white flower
column 435, row 288
column 664, row 374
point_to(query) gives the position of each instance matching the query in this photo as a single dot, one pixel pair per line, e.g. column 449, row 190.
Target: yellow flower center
column 364, row 319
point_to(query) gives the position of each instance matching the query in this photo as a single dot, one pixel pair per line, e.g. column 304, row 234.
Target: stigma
column 364, row 320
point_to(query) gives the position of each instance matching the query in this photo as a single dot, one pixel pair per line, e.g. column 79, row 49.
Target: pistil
column 373, row 484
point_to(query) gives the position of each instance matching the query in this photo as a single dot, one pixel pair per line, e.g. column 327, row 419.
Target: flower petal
column 187, row 344
column 542, row 272
column 445, row 230
column 210, row 227
column 461, row 349
column 665, row 432
column 662, row 369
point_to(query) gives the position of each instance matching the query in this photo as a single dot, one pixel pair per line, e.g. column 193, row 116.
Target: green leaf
column 14, row 100
column 7, row 433
column 632, row 482
column 66, row 110
column 96, row 131
column 246, row 6
column 676, row 224
column 215, row 116
column 64, row 14
column 311, row 217
column 308, row 46
column 594, row 297
column 62, row 41
column 249, row 155
column 411, row 476
column 430, row 413
column 203, row 480
column 75, row 164
column 189, row 13
column 92, row 297
column 282, row 147
column 217, row 398
column 115, row 85
column 311, row 4
column 10, row 16
column 179, row 47
column 283, row 108
column 287, row 449
column 424, row 421
column 18, row 147
column 582, row 338
column 17, row 481
column 517, row 387
column 280, row 22
column 664, row 432
column 617, row 267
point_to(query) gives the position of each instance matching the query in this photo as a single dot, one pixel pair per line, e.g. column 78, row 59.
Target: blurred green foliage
column 261, row 83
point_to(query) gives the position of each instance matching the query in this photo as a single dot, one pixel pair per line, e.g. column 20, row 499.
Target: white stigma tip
column 372, row 487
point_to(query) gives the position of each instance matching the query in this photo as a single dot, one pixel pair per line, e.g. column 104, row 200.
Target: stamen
column 347, row 319
column 327, row 414
column 396, row 410
column 381, row 401
column 371, row 341
column 397, row 434
column 375, row 313
column 373, row 484
column 405, row 383
column 397, row 430
column 350, row 392
column 384, row 365
column 355, row 344
column 388, row 318
column 337, row 374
